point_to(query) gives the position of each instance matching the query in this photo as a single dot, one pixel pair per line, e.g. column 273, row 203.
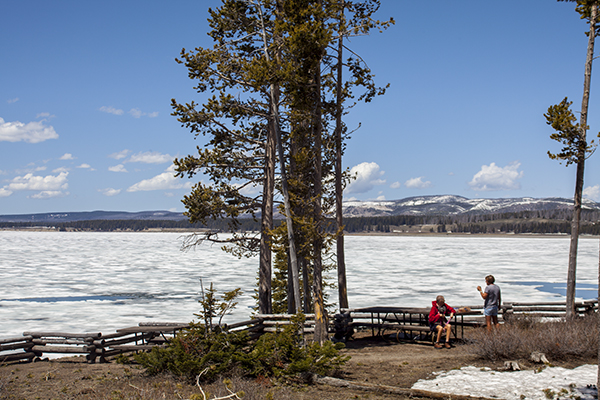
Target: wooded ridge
column 413, row 215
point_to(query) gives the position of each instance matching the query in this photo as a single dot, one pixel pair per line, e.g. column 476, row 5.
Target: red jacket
column 434, row 314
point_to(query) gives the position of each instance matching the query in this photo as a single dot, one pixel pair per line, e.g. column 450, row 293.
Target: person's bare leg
column 495, row 321
column 439, row 332
column 488, row 322
column 448, row 329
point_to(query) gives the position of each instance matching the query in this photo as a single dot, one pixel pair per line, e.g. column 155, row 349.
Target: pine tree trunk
column 341, row 261
column 320, row 313
column 571, row 274
column 307, row 291
column 264, row 275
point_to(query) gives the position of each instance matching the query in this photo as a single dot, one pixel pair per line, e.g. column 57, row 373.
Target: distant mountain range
column 420, row 205
column 93, row 216
column 456, row 205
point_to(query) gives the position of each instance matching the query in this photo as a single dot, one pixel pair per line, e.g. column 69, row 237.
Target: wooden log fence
column 96, row 346
column 547, row 310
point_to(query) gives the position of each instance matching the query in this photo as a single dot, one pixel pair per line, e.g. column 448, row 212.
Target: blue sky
column 85, row 90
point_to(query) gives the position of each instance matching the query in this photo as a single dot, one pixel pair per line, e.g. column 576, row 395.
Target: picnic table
column 410, row 321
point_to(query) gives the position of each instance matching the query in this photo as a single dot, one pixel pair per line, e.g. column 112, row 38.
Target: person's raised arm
column 482, row 293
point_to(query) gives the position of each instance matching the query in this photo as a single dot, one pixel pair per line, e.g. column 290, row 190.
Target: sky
column 86, row 88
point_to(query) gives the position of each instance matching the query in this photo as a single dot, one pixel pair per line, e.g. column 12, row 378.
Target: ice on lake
column 99, row 282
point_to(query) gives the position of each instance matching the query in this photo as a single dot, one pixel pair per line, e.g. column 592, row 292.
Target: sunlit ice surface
column 100, row 282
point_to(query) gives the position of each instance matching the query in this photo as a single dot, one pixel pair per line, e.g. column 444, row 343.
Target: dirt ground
column 374, row 361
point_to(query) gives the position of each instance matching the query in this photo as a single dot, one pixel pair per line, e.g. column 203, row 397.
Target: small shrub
column 283, row 354
column 522, row 336
column 205, row 351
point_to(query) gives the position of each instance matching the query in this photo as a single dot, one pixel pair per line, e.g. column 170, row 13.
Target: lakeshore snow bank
column 484, row 382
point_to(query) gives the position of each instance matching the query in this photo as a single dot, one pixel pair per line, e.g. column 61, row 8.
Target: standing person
column 438, row 321
column 492, row 301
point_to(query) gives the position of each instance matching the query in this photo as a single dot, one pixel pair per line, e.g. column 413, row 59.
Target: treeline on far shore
column 540, row 222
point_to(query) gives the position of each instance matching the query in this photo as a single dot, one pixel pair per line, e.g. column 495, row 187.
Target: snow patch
column 552, row 382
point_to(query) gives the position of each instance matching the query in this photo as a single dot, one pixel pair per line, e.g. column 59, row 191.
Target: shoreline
column 406, row 234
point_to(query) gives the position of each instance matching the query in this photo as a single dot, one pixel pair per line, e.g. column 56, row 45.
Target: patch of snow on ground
column 484, row 382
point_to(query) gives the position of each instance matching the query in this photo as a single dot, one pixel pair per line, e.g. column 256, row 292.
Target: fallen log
column 63, row 335
column 14, row 346
column 44, row 342
column 64, row 349
column 326, row 380
column 254, row 321
column 16, row 339
column 17, row 356
column 142, row 338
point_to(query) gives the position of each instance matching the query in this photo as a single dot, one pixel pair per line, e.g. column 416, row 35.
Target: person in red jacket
column 438, row 321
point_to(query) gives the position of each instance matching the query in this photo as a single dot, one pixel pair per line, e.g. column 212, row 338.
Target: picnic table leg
column 373, row 324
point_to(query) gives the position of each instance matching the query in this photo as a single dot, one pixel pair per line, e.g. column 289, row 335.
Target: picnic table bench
column 411, row 323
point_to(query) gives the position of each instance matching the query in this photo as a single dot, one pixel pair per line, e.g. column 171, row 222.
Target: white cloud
column 417, row 183
column 60, row 169
column 48, row 194
column 44, row 115
column 117, row 168
column 151, row 157
column 592, row 192
column 41, row 183
column 136, row 112
column 85, row 166
column 119, row 155
column 110, row 191
column 111, row 110
column 5, row 192
column 10, row 101
column 164, row 181
column 493, row 177
column 367, row 176
column 380, row 198
column 32, row 132
column 395, row 185
column 66, row 156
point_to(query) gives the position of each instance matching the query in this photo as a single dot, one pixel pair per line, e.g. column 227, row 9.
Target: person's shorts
column 491, row 311
column 433, row 326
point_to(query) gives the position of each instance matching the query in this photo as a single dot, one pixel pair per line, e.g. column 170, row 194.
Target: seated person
column 438, row 321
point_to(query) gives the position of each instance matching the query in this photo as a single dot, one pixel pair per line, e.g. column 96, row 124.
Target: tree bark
column 274, row 121
column 320, row 312
column 264, row 275
column 306, row 287
column 571, row 274
column 341, row 261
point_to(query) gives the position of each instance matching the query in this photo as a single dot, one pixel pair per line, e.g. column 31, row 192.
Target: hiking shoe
column 447, row 345
column 437, row 345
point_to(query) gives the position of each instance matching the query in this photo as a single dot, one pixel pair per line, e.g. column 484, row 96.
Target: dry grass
column 558, row 340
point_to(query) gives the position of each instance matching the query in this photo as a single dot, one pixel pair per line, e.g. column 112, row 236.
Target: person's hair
column 440, row 297
column 490, row 279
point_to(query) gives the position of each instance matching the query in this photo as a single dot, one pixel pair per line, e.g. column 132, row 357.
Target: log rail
column 408, row 324
column 96, row 346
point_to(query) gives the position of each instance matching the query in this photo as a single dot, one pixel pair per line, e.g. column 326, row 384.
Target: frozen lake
column 83, row 281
